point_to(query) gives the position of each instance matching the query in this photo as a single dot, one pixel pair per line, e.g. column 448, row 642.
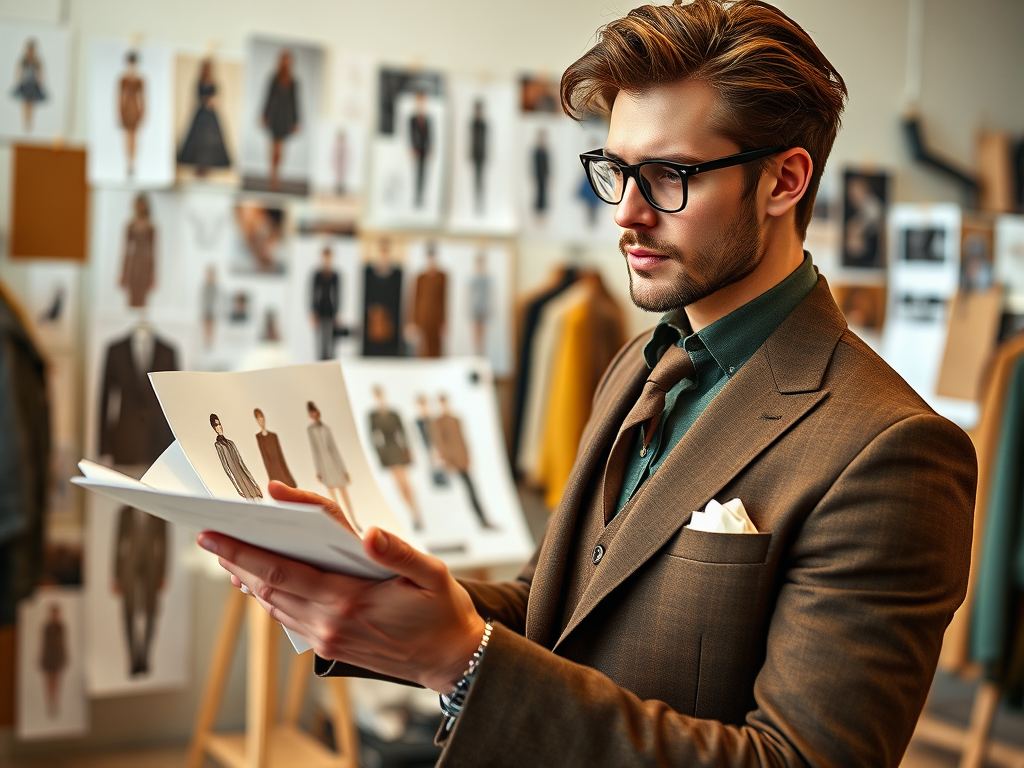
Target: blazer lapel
column 774, row 390
column 623, row 388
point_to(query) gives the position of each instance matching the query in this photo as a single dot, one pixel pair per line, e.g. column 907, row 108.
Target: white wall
column 974, row 67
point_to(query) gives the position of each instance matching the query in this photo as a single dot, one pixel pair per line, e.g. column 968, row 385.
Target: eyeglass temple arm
column 737, row 159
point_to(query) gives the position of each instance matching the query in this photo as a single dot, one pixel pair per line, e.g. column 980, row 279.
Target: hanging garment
column 204, row 143
column 24, row 458
column 429, row 310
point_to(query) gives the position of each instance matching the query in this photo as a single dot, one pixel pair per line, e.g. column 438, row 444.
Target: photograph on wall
column 541, row 123
column 432, row 430
column 34, row 60
column 260, row 228
column 409, row 149
column 865, row 195
column 53, row 303
column 325, row 298
column 483, row 158
column 584, row 216
column 131, row 113
column 458, row 300
column 52, row 701
column 383, row 276
column 1009, row 260
column 289, row 424
column 207, row 106
column 281, row 107
column 137, row 266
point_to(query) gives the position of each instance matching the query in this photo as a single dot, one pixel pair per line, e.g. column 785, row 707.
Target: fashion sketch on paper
column 429, row 306
column 280, row 112
column 382, row 302
column 140, row 575
column 389, row 439
column 53, row 658
column 478, row 154
column 234, row 467
column 138, row 268
column 270, row 450
column 132, row 427
column 131, row 106
column 423, row 423
column 480, row 303
column 447, row 437
column 330, row 467
column 28, row 80
column 325, row 305
column 541, row 168
column 420, row 139
column 203, row 146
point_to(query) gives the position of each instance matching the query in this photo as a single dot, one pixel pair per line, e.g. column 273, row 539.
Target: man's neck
column 776, row 266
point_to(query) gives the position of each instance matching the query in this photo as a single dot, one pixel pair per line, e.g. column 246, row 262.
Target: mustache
column 631, row 237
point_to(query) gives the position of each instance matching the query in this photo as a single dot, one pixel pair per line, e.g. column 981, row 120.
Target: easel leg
column 220, row 666
column 298, row 679
column 346, row 737
column 986, row 701
column 259, row 717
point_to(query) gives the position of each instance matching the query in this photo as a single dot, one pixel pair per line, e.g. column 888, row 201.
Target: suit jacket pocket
column 724, row 548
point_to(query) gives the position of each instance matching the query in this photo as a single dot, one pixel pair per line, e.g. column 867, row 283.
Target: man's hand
column 420, row 626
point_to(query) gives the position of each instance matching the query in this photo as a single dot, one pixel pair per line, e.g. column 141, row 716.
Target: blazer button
column 598, row 554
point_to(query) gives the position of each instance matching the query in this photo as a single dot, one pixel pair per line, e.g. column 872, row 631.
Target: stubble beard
column 733, row 255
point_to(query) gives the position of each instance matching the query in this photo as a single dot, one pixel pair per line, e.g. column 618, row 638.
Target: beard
column 734, row 253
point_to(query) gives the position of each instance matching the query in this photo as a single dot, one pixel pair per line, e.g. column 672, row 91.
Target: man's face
column 677, row 259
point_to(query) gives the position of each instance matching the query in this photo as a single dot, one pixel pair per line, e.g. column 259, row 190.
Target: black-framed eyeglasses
column 662, row 183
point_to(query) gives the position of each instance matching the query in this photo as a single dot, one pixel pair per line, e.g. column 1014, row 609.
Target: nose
column 633, row 211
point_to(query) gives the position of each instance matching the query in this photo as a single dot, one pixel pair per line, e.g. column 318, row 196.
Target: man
column 810, row 642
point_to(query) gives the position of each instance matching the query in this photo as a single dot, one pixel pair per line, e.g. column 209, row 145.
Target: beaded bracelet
column 451, row 705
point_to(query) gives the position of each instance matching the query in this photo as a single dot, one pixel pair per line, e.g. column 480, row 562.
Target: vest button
column 598, row 554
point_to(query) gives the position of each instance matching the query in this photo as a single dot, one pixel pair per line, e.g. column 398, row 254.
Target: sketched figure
column 131, row 106
column 541, row 175
column 270, row 450
column 478, row 153
column 423, row 423
column 138, row 270
column 204, row 143
column 420, row 144
column 330, row 467
column 392, row 446
column 140, row 575
column 29, row 79
column 53, row 310
column 280, row 112
column 53, row 658
column 447, row 438
column 325, row 305
column 233, row 465
column 480, row 303
column 429, row 305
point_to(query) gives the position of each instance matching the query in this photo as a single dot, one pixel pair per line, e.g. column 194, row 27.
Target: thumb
column 404, row 559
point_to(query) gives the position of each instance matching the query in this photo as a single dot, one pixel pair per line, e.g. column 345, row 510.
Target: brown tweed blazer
column 810, row 643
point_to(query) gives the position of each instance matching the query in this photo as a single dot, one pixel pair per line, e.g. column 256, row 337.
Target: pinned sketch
column 281, row 107
column 130, row 117
column 208, row 97
column 433, row 432
column 541, row 125
column 324, row 298
column 409, row 149
column 34, row 61
column 865, row 196
column 383, row 315
column 585, row 217
column 52, row 701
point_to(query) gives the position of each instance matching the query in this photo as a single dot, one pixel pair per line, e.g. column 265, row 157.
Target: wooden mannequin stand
column 267, row 743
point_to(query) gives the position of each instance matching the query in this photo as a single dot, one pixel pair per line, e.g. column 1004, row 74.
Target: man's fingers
column 282, row 492
column 404, row 559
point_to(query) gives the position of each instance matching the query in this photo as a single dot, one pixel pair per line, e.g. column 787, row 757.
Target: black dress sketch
column 541, row 174
column 325, row 305
column 382, row 305
column 420, row 144
column 270, row 450
column 53, row 658
column 140, row 573
column 392, row 446
column 204, row 143
column 29, row 83
column 478, row 153
column 132, row 428
column 234, row 467
column 280, row 112
column 330, row 467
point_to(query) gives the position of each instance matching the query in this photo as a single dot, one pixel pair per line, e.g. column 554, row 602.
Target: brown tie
column 674, row 366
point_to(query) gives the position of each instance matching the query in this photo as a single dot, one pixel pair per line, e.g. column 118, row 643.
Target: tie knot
column 674, row 366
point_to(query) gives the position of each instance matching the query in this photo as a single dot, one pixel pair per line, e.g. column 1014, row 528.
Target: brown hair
column 776, row 86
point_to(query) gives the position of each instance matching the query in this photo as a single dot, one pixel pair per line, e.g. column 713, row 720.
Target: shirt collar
column 733, row 339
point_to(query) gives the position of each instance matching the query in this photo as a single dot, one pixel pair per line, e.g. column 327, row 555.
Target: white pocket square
column 730, row 517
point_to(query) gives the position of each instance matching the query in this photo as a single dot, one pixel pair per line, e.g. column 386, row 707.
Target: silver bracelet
column 451, row 705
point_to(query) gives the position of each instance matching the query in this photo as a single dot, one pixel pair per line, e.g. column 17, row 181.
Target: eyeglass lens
column 663, row 185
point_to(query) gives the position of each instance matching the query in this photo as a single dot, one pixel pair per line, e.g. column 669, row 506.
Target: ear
column 788, row 179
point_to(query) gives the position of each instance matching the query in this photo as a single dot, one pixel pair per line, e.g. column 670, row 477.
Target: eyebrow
column 672, row 158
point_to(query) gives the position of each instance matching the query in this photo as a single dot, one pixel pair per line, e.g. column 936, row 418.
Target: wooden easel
column 972, row 742
column 267, row 743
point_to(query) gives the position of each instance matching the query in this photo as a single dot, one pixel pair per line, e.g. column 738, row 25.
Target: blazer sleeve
column 872, row 579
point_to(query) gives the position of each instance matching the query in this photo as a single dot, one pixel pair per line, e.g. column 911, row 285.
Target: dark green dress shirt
column 717, row 352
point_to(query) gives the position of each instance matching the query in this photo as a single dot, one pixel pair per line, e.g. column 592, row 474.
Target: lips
column 643, row 260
